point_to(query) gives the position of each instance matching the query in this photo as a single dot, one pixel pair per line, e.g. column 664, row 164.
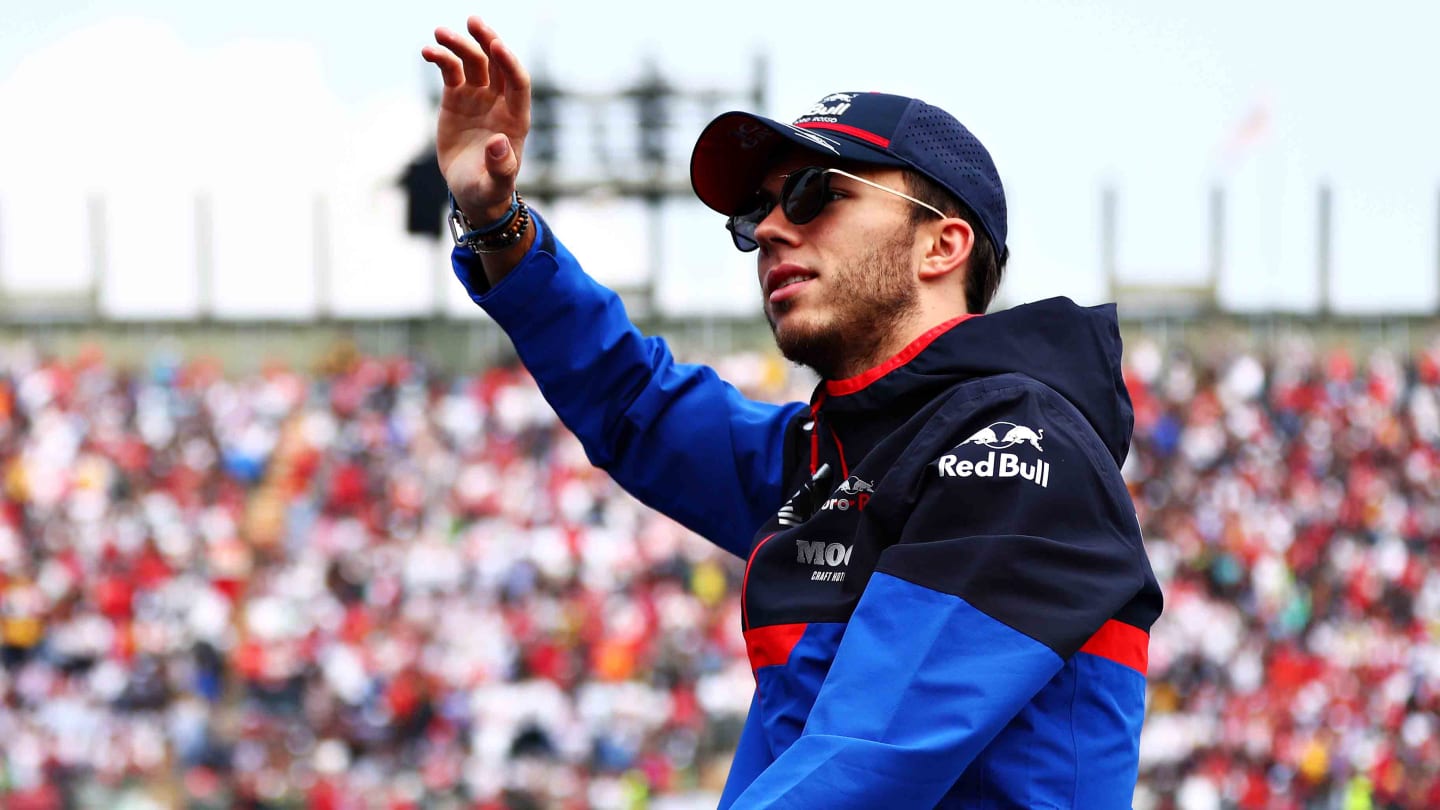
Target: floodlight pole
column 1217, row 245
column 99, row 256
column 205, row 256
column 324, row 292
column 1323, row 255
column 1109, row 262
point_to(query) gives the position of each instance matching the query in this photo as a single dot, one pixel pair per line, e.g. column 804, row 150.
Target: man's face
column 837, row 288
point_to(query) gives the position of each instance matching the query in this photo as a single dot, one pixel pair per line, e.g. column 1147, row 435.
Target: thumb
column 501, row 161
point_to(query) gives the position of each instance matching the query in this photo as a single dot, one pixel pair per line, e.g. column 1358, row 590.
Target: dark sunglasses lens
column 804, row 194
column 742, row 231
column 802, row 197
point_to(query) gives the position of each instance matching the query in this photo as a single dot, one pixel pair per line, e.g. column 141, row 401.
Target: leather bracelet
column 497, row 236
column 507, row 238
column 458, row 217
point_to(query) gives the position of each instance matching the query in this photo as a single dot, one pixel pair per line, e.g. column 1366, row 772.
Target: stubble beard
column 873, row 297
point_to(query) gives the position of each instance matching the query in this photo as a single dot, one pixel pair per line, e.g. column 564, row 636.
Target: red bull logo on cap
column 829, row 108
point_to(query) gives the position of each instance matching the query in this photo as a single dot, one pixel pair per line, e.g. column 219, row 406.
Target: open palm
column 484, row 117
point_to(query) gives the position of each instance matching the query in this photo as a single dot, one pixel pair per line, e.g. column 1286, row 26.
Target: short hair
column 982, row 277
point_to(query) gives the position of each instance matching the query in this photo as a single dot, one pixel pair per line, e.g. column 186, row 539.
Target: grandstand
column 373, row 575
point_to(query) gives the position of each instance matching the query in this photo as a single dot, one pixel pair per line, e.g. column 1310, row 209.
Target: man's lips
column 785, row 281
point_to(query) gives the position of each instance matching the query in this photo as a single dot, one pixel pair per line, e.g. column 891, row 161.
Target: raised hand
column 484, row 118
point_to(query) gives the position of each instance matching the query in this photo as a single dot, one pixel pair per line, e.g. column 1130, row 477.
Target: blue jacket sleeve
column 920, row 684
column 993, row 584
column 752, row 756
column 676, row 436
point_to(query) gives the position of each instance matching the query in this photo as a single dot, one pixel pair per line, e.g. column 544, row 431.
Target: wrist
column 485, row 217
column 495, row 235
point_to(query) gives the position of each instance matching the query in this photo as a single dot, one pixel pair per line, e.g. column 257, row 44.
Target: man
column 946, row 600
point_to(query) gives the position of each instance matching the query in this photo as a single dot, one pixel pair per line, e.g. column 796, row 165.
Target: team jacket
column 946, row 600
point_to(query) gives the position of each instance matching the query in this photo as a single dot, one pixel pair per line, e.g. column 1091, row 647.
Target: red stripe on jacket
column 1122, row 643
column 771, row 645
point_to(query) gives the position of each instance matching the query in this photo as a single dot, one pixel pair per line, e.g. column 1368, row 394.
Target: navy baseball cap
column 734, row 151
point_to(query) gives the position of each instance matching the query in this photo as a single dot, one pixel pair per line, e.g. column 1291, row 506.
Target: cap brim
column 734, row 151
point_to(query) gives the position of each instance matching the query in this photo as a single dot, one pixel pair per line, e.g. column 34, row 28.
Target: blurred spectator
column 379, row 586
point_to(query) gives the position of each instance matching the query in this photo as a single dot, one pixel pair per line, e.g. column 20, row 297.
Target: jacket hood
column 1072, row 349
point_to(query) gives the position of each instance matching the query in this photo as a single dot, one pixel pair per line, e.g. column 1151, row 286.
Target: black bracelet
column 497, row 236
column 507, row 238
column 458, row 218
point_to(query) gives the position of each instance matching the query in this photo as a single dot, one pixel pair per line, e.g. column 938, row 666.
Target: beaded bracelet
column 498, row 236
column 507, row 238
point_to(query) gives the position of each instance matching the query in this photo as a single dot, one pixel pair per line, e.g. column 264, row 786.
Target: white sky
column 267, row 107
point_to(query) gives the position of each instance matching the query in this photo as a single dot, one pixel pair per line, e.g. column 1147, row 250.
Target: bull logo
column 854, row 486
column 1002, row 435
column 985, row 436
column 853, row 493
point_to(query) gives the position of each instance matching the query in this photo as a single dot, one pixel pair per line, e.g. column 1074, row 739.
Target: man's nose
column 775, row 227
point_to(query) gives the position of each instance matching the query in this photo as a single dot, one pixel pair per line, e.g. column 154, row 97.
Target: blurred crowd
column 1291, row 507
column 377, row 585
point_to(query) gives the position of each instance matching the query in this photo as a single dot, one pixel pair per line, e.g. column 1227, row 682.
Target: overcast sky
column 269, row 107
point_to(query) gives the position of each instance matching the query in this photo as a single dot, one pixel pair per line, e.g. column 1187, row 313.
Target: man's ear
column 948, row 248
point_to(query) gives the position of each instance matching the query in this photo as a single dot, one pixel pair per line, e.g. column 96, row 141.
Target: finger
column 515, row 83
column 472, row 58
column 501, row 162
column 487, row 38
column 482, row 32
column 499, row 81
column 451, row 72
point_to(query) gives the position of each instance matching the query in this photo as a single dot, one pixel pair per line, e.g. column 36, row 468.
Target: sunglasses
column 803, row 195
